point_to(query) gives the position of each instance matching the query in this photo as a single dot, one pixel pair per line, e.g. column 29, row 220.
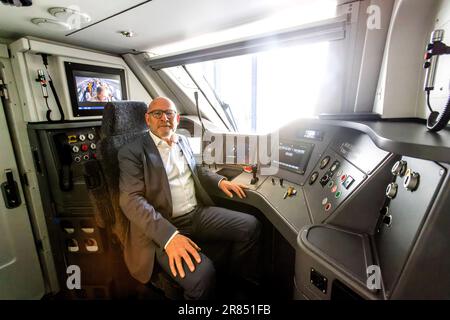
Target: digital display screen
column 92, row 87
column 313, row 134
column 294, row 156
column 98, row 89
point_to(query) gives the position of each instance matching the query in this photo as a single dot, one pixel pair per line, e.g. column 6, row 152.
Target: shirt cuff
column 170, row 239
column 218, row 184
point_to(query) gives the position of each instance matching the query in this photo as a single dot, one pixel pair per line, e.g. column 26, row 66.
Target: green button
column 338, row 194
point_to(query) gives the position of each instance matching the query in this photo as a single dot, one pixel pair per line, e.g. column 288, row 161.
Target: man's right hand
column 178, row 249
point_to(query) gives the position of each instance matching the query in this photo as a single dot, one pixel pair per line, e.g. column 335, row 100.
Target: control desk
column 358, row 200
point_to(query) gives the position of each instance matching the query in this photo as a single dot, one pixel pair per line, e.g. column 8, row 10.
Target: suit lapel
column 155, row 160
column 187, row 155
column 190, row 160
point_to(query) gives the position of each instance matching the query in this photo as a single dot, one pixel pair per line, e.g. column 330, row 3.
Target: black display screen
column 312, row 134
column 92, row 87
column 294, row 156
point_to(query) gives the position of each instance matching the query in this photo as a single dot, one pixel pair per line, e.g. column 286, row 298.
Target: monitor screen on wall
column 92, row 87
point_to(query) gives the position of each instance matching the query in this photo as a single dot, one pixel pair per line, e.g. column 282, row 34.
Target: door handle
column 10, row 191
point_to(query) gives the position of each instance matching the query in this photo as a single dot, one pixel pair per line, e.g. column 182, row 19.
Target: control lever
column 254, row 171
column 291, row 191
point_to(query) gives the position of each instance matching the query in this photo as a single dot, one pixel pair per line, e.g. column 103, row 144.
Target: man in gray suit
column 162, row 192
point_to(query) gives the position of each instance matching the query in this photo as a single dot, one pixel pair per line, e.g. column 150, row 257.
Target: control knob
column 324, row 162
column 391, row 190
column 399, row 168
column 387, row 220
column 313, row 177
column 411, row 181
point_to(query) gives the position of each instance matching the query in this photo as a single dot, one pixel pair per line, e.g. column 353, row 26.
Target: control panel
column 64, row 152
column 61, row 151
column 331, row 182
column 286, row 198
column 83, row 144
column 415, row 183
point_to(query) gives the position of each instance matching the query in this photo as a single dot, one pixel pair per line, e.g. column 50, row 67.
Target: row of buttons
column 74, row 138
column 90, row 244
column 326, row 180
column 85, row 157
column 84, row 147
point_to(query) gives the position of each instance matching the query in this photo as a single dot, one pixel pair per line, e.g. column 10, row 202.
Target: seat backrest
column 122, row 123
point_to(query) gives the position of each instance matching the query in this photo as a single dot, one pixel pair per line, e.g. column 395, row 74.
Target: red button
column 343, row 177
column 328, row 207
column 94, row 155
column 84, row 147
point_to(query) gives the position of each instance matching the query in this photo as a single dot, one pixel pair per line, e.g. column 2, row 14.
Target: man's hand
column 228, row 186
column 178, row 250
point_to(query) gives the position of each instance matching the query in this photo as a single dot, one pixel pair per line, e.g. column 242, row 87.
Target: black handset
column 436, row 121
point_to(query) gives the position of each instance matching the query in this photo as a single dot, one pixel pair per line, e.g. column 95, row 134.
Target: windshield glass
column 261, row 92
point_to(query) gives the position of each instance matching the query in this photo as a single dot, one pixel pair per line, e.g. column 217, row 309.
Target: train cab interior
column 333, row 113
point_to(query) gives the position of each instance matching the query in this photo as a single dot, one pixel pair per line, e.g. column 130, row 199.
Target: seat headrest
column 124, row 117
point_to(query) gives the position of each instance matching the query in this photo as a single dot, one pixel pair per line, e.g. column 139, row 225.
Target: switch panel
column 82, row 149
column 337, row 182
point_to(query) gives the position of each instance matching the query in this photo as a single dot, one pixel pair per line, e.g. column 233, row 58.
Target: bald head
column 162, row 117
column 161, row 103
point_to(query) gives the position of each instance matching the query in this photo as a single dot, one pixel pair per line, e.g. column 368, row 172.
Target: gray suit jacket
column 146, row 201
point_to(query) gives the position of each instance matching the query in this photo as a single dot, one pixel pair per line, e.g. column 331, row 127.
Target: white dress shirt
column 182, row 188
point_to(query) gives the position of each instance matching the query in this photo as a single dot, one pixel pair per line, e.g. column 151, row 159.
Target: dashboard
column 353, row 197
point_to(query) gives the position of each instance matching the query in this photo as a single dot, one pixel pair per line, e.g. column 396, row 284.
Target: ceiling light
column 66, row 13
column 51, row 24
column 127, row 34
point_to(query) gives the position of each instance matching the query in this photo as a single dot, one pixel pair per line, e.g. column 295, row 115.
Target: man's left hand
column 228, row 186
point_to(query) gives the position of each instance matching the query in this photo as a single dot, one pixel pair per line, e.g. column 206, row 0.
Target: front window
column 266, row 90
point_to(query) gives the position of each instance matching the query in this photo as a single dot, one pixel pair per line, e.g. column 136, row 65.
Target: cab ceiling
column 155, row 22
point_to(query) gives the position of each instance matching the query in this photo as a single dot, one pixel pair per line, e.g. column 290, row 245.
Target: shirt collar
column 158, row 141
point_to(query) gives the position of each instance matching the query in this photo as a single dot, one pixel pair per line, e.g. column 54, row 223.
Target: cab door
column 20, row 271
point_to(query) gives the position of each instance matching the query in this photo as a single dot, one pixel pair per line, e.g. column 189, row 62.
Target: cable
column 201, row 122
column 46, row 103
column 50, row 81
column 198, row 112
column 428, row 101
column 438, row 121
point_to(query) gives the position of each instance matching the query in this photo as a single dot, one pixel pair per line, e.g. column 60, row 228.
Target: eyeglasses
column 157, row 114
